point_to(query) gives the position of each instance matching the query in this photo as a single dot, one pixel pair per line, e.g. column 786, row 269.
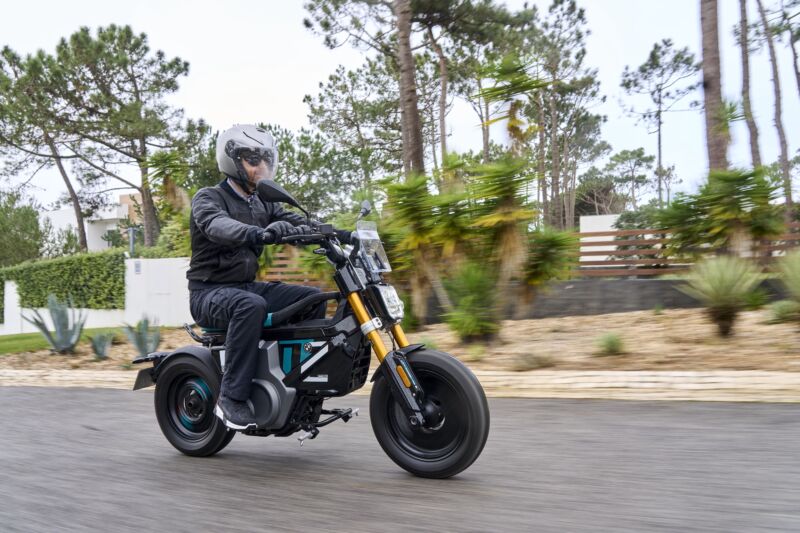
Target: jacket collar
column 224, row 185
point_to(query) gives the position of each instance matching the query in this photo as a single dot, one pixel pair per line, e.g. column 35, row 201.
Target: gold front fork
column 362, row 315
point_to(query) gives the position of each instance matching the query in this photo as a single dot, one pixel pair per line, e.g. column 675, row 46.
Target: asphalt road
column 77, row 460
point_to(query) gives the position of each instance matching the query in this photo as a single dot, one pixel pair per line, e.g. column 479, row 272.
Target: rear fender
column 149, row 376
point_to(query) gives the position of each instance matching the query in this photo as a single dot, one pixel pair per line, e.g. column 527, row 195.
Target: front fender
column 149, row 376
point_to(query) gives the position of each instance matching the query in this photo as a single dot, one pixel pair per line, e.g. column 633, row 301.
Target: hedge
column 92, row 280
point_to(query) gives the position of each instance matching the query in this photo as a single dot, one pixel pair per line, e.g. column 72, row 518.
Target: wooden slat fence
column 641, row 253
column 286, row 267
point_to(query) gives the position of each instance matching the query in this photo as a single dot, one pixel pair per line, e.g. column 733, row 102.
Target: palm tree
column 717, row 135
column 499, row 208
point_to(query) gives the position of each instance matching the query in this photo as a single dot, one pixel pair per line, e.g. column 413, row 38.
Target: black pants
column 242, row 310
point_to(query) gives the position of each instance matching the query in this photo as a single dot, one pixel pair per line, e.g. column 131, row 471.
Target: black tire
column 186, row 392
column 457, row 442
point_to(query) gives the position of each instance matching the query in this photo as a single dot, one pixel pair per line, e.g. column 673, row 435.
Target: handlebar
column 313, row 238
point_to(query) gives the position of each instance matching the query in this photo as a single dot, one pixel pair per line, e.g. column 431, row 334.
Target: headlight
column 392, row 302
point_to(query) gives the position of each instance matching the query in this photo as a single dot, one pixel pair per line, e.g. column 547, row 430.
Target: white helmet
column 249, row 142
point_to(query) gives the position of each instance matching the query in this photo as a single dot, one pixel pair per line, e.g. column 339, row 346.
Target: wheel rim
column 191, row 406
column 431, row 444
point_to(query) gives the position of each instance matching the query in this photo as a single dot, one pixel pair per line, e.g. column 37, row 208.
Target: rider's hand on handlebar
column 344, row 236
column 278, row 230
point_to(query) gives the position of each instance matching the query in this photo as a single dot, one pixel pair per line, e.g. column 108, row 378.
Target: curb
column 723, row 386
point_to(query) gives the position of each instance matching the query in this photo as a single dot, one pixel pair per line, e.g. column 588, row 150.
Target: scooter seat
column 223, row 331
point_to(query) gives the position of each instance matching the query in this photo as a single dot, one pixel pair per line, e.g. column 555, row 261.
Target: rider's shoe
column 234, row 414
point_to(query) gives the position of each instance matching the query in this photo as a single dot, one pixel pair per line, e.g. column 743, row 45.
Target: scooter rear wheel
column 457, row 441
column 186, row 392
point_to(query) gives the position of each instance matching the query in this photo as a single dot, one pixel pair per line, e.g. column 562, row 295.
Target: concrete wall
column 600, row 296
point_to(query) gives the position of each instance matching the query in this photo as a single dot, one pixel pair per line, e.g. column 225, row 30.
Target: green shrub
column 67, row 325
column 475, row 352
column 410, row 321
column 784, row 311
column 100, row 345
column 610, row 344
column 756, row 299
column 473, row 316
column 551, row 255
column 143, row 338
column 658, row 309
column 530, row 361
column 429, row 343
column 723, row 285
column 93, row 280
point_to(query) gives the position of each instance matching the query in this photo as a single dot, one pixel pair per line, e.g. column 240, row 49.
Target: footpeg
column 308, row 435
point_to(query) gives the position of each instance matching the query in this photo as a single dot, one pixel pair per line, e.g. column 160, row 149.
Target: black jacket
column 225, row 231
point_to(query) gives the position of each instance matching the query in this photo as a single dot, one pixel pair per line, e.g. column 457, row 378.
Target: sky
column 254, row 62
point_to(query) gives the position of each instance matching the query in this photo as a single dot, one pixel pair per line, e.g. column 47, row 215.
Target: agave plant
column 723, row 285
column 144, row 338
column 67, row 324
column 100, row 345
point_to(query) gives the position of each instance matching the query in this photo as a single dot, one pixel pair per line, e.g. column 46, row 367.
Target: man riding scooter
column 229, row 227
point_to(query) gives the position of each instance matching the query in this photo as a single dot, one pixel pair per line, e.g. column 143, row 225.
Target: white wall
column 156, row 288
column 14, row 322
column 597, row 223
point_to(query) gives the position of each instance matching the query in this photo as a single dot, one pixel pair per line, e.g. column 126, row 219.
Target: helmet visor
column 259, row 163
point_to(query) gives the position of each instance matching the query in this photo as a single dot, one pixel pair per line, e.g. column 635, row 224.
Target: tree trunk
column 149, row 215
column 555, row 185
column 436, row 284
column 510, row 252
column 660, row 165
column 485, row 126
column 792, row 45
column 717, row 137
column 776, row 86
column 755, row 153
column 76, row 204
column 442, row 94
column 541, row 163
column 794, row 37
column 413, row 151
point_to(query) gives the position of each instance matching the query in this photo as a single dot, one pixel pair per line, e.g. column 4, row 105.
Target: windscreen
column 372, row 252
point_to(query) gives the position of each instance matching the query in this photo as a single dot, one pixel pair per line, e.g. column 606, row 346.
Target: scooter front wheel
column 186, row 392
column 457, row 439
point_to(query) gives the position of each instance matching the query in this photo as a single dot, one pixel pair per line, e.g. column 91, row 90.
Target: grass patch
column 610, row 344
column 31, row 342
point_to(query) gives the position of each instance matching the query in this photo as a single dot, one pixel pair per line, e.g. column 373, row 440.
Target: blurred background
column 582, row 200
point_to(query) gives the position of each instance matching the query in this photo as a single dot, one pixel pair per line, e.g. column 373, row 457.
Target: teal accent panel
column 268, row 320
column 287, row 359
column 287, row 352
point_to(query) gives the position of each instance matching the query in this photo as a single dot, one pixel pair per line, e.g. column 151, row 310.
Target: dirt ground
column 681, row 339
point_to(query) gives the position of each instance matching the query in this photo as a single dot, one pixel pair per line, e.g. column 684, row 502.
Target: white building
column 96, row 226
